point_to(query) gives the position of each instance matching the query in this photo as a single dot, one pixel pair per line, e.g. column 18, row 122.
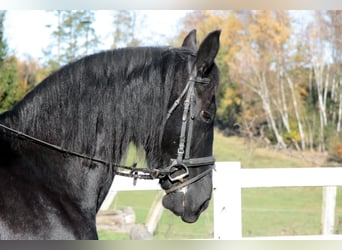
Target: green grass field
column 266, row 211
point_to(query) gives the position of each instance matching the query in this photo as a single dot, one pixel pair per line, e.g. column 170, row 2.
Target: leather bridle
column 183, row 161
column 181, row 164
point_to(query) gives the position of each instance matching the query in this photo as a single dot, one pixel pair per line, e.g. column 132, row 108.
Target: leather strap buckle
column 174, row 169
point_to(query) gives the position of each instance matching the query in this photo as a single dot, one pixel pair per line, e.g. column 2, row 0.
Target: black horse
column 61, row 145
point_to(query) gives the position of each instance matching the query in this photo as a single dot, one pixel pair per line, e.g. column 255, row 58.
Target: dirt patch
column 117, row 221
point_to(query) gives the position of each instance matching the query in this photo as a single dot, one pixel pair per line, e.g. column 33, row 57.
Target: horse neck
column 64, row 110
column 98, row 113
column 75, row 180
column 50, row 113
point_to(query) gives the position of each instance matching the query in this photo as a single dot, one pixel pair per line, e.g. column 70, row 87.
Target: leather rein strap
column 131, row 171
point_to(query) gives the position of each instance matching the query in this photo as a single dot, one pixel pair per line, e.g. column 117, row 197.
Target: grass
column 281, row 211
column 170, row 226
column 252, row 156
column 266, row 211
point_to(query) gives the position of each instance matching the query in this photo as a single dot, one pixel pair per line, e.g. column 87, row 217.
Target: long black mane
column 108, row 100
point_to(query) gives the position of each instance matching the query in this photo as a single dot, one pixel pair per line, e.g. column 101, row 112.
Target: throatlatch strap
column 176, row 103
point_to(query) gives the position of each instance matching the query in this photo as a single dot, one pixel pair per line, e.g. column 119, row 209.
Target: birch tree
column 335, row 35
column 257, row 66
column 317, row 45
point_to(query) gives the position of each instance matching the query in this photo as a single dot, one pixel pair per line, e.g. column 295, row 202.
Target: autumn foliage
column 281, row 76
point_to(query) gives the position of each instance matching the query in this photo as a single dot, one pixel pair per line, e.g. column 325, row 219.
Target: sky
column 27, row 33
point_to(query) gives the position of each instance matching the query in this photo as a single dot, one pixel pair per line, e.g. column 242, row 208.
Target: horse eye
column 206, row 116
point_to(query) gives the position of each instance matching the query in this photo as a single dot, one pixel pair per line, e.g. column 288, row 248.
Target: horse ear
column 207, row 52
column 190, row 40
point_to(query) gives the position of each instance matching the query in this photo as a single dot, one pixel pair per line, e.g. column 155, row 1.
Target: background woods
column 281, row 71
column 281, row 76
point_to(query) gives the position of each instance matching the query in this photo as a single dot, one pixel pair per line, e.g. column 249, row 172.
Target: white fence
column 229, row 180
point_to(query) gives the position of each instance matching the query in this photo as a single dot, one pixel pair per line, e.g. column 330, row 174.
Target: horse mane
column 100, row 103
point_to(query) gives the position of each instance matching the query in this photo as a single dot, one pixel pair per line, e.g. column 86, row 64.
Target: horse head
column 188, row 134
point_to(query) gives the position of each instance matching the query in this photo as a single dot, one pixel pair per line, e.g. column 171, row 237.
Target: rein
column 147, row 174
column 183, row 161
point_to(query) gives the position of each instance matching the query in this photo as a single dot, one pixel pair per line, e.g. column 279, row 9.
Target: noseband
column 183, row 161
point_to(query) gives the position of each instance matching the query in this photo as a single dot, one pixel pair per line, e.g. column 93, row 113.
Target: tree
column 258, row 65
column 124, row 23
column 10, row 90
column 3, row 44
column 73, row 37
column 335, row 37
column 30, row 73
column 228, row 96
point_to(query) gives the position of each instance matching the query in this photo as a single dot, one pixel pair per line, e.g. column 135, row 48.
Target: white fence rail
column 229, row 180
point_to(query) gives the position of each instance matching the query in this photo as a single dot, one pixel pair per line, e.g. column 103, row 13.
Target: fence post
column 155, row 213
column 227, row 201
column 109, row 198
column 328, row 209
